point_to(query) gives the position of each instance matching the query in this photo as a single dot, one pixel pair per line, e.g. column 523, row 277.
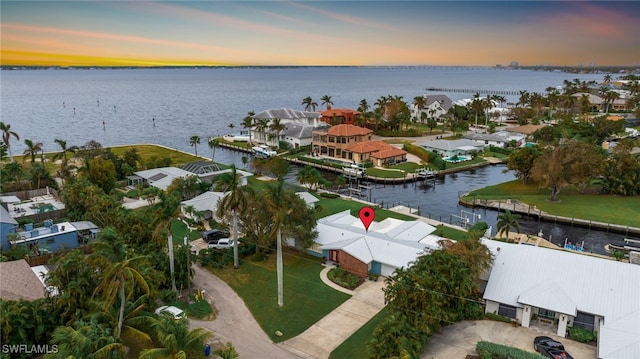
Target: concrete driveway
column 459, row 339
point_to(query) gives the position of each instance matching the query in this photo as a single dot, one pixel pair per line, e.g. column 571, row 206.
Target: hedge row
column 488, row 350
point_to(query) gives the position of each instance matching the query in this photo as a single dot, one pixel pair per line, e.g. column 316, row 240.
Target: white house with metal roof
column 299, row 125
column 567, row 289
column 448, row 148
column 386, row 246
column 497, row 139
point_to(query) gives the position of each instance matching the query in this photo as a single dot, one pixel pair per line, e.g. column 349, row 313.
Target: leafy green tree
column 570, row 163
column 185, row 187
column 506, row 221
column 432, row 123
column 227, row 352
column 102, row 173
column 120, row 276
column 75, row 281
column 309, row 177
column 27, row 322
column 194, row 141
column 521, row 161
column 621, row 175
column 234, row 201
column 40, row 177
column 7, row 133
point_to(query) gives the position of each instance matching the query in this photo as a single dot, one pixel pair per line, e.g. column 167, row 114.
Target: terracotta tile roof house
column 353, row 144
column 378, row 152
column 19, row 281
column 334, row 116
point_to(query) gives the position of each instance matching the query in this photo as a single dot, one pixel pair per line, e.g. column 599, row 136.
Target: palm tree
column 85, row 340
column 419, row 102
column 212, row 145
column 610, row 97
column 277, row 204
column 195, row 141
column 120, row 275
column 248, row 123
column 476, row 105
column 227, row 352
column 235, row 200
column 32, row 150
column 524, row 98
column 506, row 221
column 63, row 155
column 607, row 78
column 261, row 127
column 326, row 100
column 278, row 127
column 174, row 340
column 364, row 106
column 309, row 104
column 6, row 136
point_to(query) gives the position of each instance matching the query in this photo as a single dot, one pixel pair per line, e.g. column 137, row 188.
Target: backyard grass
column 355, row 347
column 306, row 298
column 329, row 206
column 600, row 208
column 147, row 151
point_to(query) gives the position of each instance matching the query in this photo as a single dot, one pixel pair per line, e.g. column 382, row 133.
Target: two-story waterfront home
column 339, row 116
column 353, row 144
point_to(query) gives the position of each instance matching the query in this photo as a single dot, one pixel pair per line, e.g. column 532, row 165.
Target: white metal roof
column 162, row 177
column 207, row 201
column 392, row 241
column 593, row 285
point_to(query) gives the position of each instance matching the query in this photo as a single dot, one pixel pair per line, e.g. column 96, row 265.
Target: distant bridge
column 482, row 92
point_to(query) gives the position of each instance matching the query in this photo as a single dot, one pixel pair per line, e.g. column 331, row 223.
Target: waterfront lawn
column 355, row 346
column 572, row 204
column 306, row 298
column 148, row 151
column 474, row 161
column 451, row 233
column 329, row 206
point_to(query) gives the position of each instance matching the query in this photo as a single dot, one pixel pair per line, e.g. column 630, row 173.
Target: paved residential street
column 234, row 322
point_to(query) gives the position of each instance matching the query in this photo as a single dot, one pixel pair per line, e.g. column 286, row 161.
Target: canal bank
column 519, row 207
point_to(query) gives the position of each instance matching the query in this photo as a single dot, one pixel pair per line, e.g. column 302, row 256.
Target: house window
column 331, row 152
column 584, row 320
column 343, row 140
column 507, row 311
column 548, row 314
column 338, row 152
column 332, row 139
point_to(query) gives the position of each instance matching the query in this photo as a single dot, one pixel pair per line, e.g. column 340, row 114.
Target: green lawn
column 331, row 206
column 600, row 208
column 355, row 347
column 306, row 298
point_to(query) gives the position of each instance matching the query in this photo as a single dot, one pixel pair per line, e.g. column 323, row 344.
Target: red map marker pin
column 366, row 216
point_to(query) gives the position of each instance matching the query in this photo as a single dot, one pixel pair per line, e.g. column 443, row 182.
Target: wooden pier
column 482, row 92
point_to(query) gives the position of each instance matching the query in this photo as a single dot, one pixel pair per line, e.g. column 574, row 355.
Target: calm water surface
column 42, row 105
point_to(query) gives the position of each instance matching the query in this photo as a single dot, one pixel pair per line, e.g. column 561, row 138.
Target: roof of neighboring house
column 201, row 167
column 162, row 177
column 19, row 281
column 568, row 282
column 447, row 145
column 297, row 130
column 391, row 241
column 207, row 201
column 501, row 136
column 308, row 198
column 443, row 100
column 285, row 114
column 525, row 129
column 339, row 112
column 593, row 99
column 380, row 149
column 5, row 217
column 348, row 130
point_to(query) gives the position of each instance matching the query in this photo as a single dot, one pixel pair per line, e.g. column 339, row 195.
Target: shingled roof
column 19, row 281
column 348, row 130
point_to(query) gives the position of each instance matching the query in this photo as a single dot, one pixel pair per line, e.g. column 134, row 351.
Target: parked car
column 222, row 243
column 175, row 312
column 214, row 235
column 550, row 348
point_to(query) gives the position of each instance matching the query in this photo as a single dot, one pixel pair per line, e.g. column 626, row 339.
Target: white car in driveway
column 175, row 312
column 222, row 243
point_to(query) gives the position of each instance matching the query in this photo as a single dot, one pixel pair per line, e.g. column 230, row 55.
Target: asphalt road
column 234, row 322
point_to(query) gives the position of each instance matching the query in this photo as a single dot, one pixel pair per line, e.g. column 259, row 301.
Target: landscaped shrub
column 498, row 317
column 480, row 226
column 343, row 278
column 497, row 351
column 473, row 311
column 582, row 335
column 412, row 132
column 329, row 195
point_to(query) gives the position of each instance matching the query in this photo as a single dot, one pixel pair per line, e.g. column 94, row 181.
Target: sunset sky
column 155, row 33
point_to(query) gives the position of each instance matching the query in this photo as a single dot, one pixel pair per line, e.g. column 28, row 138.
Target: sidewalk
column 328, row 333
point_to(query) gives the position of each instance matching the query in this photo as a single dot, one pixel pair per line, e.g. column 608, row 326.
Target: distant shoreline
column 617, row 69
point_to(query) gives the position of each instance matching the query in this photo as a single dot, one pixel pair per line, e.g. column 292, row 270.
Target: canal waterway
column 439, row 200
